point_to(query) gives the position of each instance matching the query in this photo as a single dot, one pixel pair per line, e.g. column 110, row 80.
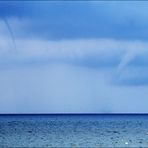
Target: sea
column 73, row 130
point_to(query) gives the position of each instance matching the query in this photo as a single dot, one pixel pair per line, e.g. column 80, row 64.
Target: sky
column 73, row 57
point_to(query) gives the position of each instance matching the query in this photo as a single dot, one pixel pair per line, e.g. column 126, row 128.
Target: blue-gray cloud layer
column 60, row 20
column 73, row 56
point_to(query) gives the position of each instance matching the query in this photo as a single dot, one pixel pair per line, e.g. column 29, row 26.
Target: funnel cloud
column 10, row 32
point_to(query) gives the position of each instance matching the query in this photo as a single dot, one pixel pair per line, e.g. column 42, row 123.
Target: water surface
column 93, row 130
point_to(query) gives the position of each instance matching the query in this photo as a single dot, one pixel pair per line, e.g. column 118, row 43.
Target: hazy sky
column 74, row 57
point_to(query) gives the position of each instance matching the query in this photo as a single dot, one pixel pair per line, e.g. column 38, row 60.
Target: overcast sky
column 73, row 57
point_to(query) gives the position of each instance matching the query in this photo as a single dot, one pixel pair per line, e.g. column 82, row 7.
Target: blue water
column 74, row 130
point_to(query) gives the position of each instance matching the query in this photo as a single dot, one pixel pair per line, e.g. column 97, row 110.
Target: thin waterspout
column 10, row 32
